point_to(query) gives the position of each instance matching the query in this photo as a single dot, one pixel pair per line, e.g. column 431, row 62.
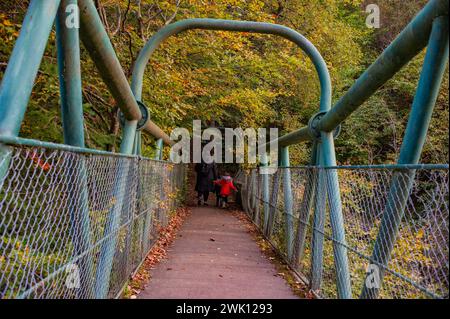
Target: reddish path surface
column 215, row 257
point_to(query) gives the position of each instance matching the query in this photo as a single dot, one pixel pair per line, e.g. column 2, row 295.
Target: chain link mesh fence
column 419, row 263
column 78, row 225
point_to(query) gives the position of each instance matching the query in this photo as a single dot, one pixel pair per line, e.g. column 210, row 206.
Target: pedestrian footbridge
column 77, row 222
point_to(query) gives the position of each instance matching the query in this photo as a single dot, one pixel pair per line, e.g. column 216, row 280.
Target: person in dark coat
column 206, row 175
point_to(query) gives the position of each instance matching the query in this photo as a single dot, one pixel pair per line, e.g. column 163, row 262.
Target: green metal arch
column 234, row 26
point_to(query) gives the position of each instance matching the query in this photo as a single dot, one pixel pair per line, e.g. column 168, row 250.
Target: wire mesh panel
column 77, row 225
column 418, row 265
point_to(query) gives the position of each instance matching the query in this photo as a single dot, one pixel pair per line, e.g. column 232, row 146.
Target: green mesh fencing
column 419, row 264
column 78, row 225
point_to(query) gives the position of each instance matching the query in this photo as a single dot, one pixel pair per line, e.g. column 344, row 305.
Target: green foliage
column 241, row 79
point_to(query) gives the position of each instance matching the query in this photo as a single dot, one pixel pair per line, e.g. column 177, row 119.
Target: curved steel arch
column 235, row 26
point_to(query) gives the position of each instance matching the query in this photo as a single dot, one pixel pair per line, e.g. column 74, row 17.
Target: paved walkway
column 215, row 257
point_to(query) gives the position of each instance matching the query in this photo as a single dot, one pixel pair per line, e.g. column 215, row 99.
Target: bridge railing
column 418, row 267
column 55, row 220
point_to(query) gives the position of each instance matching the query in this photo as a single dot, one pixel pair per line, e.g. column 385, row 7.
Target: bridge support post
column 22, row 68
column 288, row 201
column 112, row 224
column 159, row 149
column 68, row 53
column 265, row 190
column 257, row 197
column 305, row 208
column 137, row 146
column 427, row 91
column 253, row 193
column 273, row 202
column 318, row 227
column 73, row 127
column 328, row 159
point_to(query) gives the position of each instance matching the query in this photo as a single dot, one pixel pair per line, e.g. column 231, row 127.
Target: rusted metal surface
column 215, row 257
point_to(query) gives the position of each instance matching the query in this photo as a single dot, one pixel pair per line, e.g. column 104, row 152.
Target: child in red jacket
column 226, row 185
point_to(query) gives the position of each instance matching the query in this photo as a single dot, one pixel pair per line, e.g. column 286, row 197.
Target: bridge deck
column 215, row 257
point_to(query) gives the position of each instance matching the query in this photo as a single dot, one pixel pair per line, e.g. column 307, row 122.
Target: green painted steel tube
column 236, row 26
column 128, row 136
column 73, row 128
column 288, row 201
column 137, row 146
column 392, row 166
column 265, row 191
column 406, row 46
column 318, row 226
column 70, row 78
column 257, row 195
column 253, row 184
column 153, row 129
column 108, row 248
column 427, row 92
column 246, row 197
column 383, row 166
column 273, row 203
column 23, row 65
column 139, row 143
column 22, row 69
column 301, row 135
column 328, row 158
column 254, row 200
column 306, row 206
column 159, row 149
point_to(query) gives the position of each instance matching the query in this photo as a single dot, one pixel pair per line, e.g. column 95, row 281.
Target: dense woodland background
column 241, row 79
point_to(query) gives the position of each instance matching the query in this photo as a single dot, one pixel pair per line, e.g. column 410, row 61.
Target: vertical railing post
column 73, row 129
column 273, row 203
column 18, row 79
column 68, row 45
column 305, row 208
column 137, row 147
column 328, row 159
column 318, row 226
column 265, row 190
column 288, row 201
column 253, row 200
column 258, row 194
column 112, row 224
column 419, row 120
column 251, row 195
column 159, row 149
column 248, row 192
